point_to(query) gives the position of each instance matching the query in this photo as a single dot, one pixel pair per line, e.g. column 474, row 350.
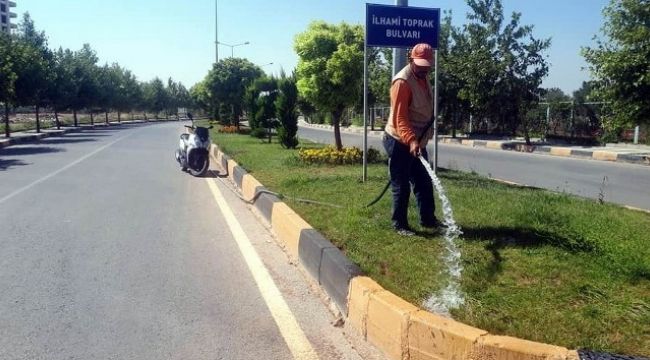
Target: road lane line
column 289, row 328
column 27, row 187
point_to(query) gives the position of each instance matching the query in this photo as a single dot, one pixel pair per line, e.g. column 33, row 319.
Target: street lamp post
column 232, row 47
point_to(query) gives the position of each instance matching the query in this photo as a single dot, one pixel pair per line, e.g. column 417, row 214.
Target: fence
column 564, row 121
column 24, row 118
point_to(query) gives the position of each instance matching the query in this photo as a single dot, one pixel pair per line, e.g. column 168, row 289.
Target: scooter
column 193, row 150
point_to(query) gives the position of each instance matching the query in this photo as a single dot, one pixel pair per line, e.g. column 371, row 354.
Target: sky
column 177, row 38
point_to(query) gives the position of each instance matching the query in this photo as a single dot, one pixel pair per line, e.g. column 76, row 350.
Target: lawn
column 538, row 265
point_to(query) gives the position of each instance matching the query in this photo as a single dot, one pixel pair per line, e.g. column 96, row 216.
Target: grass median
column 538, row 265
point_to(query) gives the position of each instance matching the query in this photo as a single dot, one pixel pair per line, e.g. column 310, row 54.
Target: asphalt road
column 625, row 184
column 109, row 251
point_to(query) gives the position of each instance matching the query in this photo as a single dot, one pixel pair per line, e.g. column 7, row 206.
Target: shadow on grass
column 500, row 238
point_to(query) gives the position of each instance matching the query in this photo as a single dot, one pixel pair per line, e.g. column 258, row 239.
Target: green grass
column 538, row 265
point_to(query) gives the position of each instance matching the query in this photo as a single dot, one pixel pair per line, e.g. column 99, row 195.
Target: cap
column 422, row 54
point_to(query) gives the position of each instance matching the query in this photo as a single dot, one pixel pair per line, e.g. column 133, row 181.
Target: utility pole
column 399, row 55
column 216, row 32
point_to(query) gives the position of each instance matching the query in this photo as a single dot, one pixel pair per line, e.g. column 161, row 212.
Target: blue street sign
column 398, row 26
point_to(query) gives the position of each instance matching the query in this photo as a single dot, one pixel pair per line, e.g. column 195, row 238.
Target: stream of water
column 450, row 296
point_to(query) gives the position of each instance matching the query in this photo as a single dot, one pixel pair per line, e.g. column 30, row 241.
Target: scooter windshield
column 202, row 133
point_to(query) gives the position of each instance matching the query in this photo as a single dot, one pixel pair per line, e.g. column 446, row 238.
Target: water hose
column 279, row 195
column 388, row 183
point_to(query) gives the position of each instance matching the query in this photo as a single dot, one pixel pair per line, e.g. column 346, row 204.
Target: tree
column 450, row 82
column 620, row 64
column 130, row 94
column 85, row 80
column 201, row 99
column 259, row 100
column 330, row 68
column 379, row 75
column 34, row 67
column 503, row 66
column 285, row 106
column 226, row 83
column 7, row 76
column 155, row 96
column 62, row 91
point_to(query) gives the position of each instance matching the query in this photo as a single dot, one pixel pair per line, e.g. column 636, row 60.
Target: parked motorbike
column 193, row 153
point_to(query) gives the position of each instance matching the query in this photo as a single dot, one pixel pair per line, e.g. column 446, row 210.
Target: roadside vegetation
column 37, row 80
column 538, row 265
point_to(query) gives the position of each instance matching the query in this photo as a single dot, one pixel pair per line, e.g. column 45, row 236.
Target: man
column 411, row 110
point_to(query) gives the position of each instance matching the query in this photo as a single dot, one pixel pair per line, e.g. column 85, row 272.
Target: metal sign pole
column 435, row 113
column 365, row 111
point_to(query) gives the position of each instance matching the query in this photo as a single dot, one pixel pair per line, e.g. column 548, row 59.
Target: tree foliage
column 503, row 66
column 330, row 68
column 620, row 63
column 225, row 85
column 31, row 74
column 286, row 105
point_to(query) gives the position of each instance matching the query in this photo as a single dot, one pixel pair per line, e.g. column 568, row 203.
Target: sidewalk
column 627, row 153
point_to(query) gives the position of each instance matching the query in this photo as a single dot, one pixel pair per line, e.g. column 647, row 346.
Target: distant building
column 6, row 15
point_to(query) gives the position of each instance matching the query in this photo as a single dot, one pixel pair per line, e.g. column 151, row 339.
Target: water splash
column 451, row 296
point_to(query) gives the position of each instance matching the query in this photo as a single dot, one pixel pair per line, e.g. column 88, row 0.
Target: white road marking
column 289, row 328
column 27, row 187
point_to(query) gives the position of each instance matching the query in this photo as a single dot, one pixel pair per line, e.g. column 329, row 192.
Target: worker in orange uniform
column 411, row 110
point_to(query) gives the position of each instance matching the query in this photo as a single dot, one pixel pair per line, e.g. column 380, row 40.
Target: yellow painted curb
column 288, row 225
column 467, row 142
column 435, row 337
column 396, row 327
column 387, row 323
column 560, row 151
column 358, row 298
column 604, row 155
column 493, row 145
column 509, row 348
column 231, row 169
column 249, row 183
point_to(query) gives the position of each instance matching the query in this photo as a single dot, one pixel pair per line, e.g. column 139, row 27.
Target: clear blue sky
column 176, row 38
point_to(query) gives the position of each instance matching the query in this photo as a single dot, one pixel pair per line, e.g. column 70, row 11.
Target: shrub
column 232, row 129
column 329, row 155
column 228, row 129
column 259, row 133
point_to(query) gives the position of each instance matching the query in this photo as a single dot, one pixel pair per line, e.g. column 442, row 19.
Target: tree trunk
column 455, row 124
column 145, row 117
column 74, row 115
column 106, row 116
column 7, row 131
column 92, row 118
column 56, row 118
column 336, row 118
column 119, row 117
column 38, row 120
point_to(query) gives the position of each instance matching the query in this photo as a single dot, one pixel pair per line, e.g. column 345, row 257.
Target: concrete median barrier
column 398, row 328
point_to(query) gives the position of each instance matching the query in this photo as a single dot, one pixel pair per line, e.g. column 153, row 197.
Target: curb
column 600, row 155
column 639, row 158
column 393, row 325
